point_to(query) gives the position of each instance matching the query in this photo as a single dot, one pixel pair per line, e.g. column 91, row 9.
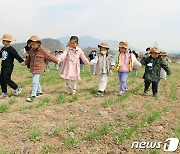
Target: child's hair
column 75, row 38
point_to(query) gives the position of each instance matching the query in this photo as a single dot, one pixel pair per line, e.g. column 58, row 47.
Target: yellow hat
column 163, row 53
column 123, row 44
column 35, row 39
column 156, row 50
column 104, row 45
column 7, row 37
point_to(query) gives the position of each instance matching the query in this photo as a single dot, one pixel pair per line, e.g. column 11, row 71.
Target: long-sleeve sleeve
column 165, row 67
column 63, row 55
column 27, row 61
column 48, row 56
column 84, row 59
column 143, row 61
column 17, row 56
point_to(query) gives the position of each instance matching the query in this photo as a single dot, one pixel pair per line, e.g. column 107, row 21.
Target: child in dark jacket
column 153, row 65
column 8, row 54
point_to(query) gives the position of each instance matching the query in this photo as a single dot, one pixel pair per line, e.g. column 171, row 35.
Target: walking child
column 103, row 66
column 8, row 54
column 163, row 73
column 92, row 56
column 153, row 65
column 125, row 62
column 37, row 61
column 71, row 64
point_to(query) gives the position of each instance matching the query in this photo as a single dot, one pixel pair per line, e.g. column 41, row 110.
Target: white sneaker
column 31, row 99
column 74, row 91
column 18, row 91
column 3, row 95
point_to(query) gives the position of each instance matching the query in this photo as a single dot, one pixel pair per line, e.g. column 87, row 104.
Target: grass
column 43, row 102
column 97, row 133
column 127, row 133
column 4, row 108
column 133, row 115
column 61, row 99
column 173, row 93
column 177, row 132
column 57, row 130
column 34, row 133
column 109, row 102
column 73, row 98
column 12, row 100
column 47, row 149
column 71, row 141
column 149, row 105
column 71, row 128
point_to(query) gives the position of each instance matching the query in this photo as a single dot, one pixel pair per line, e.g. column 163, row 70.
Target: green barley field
column 87, row 123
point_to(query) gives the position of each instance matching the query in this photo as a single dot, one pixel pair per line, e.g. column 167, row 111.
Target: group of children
column 123, row 62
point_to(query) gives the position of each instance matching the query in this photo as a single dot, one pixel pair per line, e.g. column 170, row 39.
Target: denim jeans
column 36, row 85
column 123, row 80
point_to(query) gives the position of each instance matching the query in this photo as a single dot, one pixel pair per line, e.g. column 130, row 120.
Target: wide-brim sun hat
column 155, row 50
column 35, row 38
column 163, row 53
column 104, row 45
column 123, row 44
column 7, row 37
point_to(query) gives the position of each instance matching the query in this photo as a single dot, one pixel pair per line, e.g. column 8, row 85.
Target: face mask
column 104, row 52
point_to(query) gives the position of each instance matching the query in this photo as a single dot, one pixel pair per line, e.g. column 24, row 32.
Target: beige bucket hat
column 104, row 45
column 156, row 50
column 7, row 37
column 123, row 44
column 35, row 38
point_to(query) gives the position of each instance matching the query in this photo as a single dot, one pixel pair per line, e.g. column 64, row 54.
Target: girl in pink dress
column 71, row 64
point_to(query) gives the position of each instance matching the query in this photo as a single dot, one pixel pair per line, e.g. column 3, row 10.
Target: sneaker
column 155, row 94
column 18, row 91
column 120, row 93
column 39, row 94
column 74, row 91
column 31, row 99
column 3, row 95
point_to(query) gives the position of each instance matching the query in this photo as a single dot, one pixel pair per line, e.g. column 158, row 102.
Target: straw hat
column 104, row 45
column 163, row 53
column 7, row 37
column 155, row 50
column 123, row 44
column 35, row 39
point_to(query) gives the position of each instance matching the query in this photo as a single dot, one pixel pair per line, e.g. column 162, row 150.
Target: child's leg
column 3, row 84
column 39, row 89
column 74, row 85
column 123, row 80
column 146, row 85
column 102, row 82
column 155, row 87
column 35, row 81
column 7, row 79
column 68, row 85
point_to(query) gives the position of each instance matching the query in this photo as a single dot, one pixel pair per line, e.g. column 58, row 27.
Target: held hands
column 23, row 64
column 112, row 67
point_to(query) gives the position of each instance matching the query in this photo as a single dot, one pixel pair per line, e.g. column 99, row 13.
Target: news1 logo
column 170, row 145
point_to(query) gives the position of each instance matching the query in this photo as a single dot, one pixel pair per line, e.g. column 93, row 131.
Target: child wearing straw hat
column 124, row 62
column 163, row 73
column 103, row 66
column 71, row 64
column 92, row 56
column 8, row 54
column 36, row 60
column 153, row 65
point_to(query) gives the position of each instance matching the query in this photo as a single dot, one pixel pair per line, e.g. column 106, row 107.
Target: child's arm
column 49, row 57
column 17, row 56
column 84, row 59
column 135, row 61
column 143, row 61
column 27, row 61
column 165, row 67
column 63, row 55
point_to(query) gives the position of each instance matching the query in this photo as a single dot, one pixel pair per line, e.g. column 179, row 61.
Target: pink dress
column 71, row 64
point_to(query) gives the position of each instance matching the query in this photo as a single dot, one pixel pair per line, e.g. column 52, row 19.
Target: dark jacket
column 152, row 73
column 36, row 59
column 8, row 54
column 91, row 56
